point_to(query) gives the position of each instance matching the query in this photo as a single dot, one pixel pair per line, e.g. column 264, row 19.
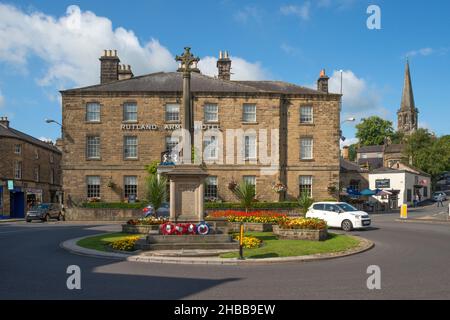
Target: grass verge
column 274, row 248
column 99, row 242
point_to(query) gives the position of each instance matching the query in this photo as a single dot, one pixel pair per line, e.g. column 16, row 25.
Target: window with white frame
column 93, row 147
column 36, row 174
column 306, row 148
column 172, row 112
column 130, row 186
column 18, row 149
column 211, row 112
column 93, row 186
column 249, row 113
column 130, row 111
column 210, row 148
column 211, row 187
column 18, row 170
column 36, row 154
column 130, row 147
column 250, row 180
column 306, row 114
column 171, row 142
column 93, row 112
column 250, row 147
column 305, row 185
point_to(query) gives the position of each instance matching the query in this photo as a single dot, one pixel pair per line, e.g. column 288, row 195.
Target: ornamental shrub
column 303, row 223
column 249, row 242
column 125, row 244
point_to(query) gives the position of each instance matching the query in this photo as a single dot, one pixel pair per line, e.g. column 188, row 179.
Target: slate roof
column 348, row 166
column 13, row 133
column 394, row 148
column 370, row 149
column 173, row 82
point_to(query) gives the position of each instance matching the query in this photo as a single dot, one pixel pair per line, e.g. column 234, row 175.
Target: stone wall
column 87, row 214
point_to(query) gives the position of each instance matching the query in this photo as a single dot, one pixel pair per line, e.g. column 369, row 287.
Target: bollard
column 241, row 242
column 404, row 211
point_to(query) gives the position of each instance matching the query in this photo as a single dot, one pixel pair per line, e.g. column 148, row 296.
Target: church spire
column 408, row 95
column 408, row 113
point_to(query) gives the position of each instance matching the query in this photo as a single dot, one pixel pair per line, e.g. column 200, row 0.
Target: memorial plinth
column 186, row 192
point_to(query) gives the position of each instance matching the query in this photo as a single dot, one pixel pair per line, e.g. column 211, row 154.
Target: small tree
column 246, row 194
column 305, row 201
column 156, row 191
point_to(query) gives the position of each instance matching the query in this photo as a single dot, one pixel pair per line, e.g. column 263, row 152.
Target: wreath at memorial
column 170, row 228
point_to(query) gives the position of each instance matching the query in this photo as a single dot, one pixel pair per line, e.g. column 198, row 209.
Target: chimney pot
column 109, row 67
column 4, row 122
column 224, row 66
column 322, row 83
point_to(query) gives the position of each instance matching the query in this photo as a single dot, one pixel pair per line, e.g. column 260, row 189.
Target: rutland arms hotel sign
column 166, row 127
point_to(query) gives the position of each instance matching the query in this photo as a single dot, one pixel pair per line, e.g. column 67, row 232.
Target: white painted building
column 406, row 183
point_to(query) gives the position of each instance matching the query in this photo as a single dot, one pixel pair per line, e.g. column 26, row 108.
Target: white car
column 339, row 215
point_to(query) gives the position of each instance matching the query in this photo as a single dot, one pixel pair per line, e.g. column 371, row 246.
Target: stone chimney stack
column 224, row 66
column 109, row 66
column 4, row 122
column 345, row 153
column 322, row 83
column 125, row 72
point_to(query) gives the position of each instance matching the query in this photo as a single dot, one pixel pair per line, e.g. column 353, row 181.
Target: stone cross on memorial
column 187, row 64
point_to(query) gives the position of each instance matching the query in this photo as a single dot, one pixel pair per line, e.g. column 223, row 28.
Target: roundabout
column 85, row 246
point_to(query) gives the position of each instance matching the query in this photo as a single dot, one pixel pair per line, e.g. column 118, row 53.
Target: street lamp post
column 187, row 64
column 54, row 121
column 351, row 119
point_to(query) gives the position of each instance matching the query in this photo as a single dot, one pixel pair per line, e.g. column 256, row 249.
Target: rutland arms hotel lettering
column 167, row 127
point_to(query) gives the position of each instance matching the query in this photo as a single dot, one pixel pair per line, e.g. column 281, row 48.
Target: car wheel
column 28, row 220
column 347, row 225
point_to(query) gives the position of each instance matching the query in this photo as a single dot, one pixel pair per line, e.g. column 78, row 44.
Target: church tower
column 408, row 113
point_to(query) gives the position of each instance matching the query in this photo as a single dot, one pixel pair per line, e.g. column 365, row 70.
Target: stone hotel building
column 112, row 130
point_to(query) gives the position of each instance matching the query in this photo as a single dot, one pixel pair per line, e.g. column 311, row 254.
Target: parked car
column 163, row 211
column 439, row 193
column 339, row 215
column 45, row 212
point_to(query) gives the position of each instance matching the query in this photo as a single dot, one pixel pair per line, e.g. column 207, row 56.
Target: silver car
column 438, row 194
column 163, row 211
column 45, row 212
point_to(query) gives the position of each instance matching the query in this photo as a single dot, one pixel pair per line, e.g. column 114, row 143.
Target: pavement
column 413, row 259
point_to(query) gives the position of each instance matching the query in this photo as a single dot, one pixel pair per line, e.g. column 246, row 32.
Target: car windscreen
column 346, row 207
column 40, row 207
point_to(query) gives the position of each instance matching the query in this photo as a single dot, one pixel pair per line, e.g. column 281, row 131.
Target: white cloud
column 289, row 50
column 359, row 99
column 45, row 139
column 425, row 52
column 69, row 47
column 302, row 11
column 240, row 68
column 421, row 52
column 249, row 13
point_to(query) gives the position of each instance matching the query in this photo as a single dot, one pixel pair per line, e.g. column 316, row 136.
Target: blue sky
column 49, row 45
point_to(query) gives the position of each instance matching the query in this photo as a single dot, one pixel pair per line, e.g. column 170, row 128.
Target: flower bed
column 126, row 244
column 143, row 225
column 252, row 216
column 249, row 242
column 302, row 229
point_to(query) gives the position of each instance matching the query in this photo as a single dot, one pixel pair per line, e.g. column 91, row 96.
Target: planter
column 301, row 234
column 249, row 226
column 140, row 229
